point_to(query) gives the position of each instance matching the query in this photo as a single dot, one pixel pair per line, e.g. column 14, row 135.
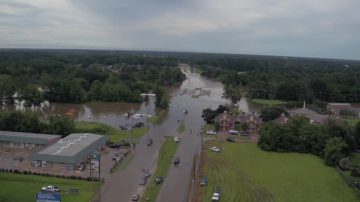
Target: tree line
column 31, row 122
column 80, row 76
column 287, row 78
column 332, row 141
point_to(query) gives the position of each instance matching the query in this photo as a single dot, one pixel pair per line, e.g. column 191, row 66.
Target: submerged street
column 124, row 183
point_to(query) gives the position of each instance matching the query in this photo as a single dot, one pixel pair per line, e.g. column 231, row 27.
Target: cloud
column 323, row 28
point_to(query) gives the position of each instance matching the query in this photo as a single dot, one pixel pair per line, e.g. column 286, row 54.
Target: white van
column 176, row 139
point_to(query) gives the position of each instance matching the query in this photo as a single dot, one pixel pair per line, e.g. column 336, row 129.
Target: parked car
column 135, row 197
column 229, row 139
column 150, row 142
column 176, row 139
column 177, row 161
column 215, row 149
column 216, row 195
column 211, row 132
column 159, row 180
column 50, row 188
column 203, row 181
column 233, row 132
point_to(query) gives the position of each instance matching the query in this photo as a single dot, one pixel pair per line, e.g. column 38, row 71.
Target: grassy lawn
column 115, row 135
column 166, row 154
column 157, row 119
column 20, row 188
column 268, row 102
column 181, row 128
column 247, row 173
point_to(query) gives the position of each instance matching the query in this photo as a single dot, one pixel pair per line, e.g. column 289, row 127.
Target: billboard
column 48, row 197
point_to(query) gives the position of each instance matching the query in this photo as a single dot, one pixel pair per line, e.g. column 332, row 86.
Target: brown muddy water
column 194, row 94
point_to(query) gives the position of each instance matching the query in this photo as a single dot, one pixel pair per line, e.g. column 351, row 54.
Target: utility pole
column 194, row 167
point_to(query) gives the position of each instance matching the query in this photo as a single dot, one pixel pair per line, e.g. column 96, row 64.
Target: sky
column 307, row 28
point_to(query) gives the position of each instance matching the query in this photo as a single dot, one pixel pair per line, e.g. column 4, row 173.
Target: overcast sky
column 311, row 28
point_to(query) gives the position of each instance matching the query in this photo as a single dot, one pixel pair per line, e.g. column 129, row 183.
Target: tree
column 232, row 93
column 335, row 149
column 7, row 89
column 271, row 113
column 60, row 125
column 95, row 91
column 209, row 115
column 356, row 134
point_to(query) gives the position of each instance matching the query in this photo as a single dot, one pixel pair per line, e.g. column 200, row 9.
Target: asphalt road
column 176, row 186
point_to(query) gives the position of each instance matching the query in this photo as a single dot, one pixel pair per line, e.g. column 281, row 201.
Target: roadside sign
column 48, row 197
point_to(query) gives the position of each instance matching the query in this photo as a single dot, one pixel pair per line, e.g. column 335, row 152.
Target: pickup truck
column 50, row 188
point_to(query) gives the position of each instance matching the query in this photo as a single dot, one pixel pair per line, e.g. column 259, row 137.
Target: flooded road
column 175, row 188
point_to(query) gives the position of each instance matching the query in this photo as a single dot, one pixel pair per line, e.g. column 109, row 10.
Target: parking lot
column 19, row 159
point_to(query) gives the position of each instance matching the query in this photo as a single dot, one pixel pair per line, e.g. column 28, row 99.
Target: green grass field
column 268, row 102
column 247, row 173
column 23, row 188
column 166, row 154
column 115, row 135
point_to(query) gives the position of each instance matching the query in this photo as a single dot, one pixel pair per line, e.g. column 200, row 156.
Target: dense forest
column 76, row 76
column 82, row 75
column 285, row 78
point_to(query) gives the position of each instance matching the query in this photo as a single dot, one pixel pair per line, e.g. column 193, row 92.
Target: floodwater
column 181, row 98
column 194, row 94
column 208, row 93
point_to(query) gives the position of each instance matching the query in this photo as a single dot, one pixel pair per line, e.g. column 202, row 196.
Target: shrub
column 345, row 163
column 335, row 149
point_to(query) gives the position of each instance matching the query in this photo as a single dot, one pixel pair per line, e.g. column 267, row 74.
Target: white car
column 215, row 149
column 50, row 188
column 176, row 139
column 233, row 132
column 215, row 197
column 211, row 132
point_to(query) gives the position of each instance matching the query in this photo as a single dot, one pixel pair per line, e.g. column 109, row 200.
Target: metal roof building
column 29, row 138
column 72, row 149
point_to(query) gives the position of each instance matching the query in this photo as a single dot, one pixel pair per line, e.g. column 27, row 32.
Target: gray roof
column 339, row 104
column 312, row 115
column 71, row 149
column 33, row 138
